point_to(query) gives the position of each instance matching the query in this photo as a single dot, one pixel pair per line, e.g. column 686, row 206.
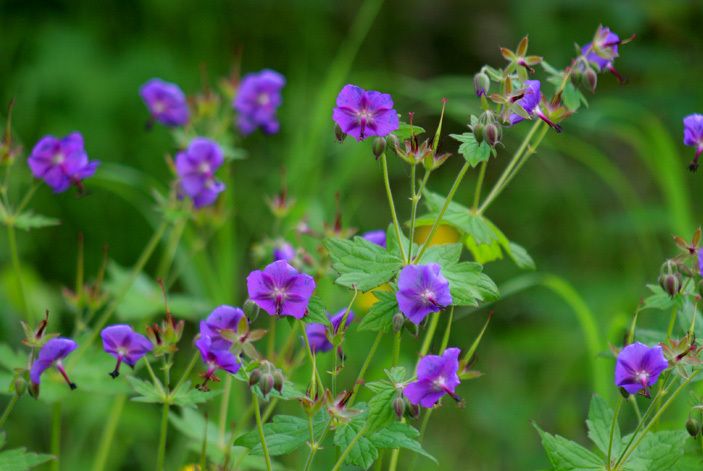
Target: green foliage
column 400, row 435
column 284, row 434
column 406, row 131
column 363, row 453
column 566, row 455
column 361, row 264
column 473, row 152
column 380, row 316
column 600, row 418
column 29, row 220
column 316, row 312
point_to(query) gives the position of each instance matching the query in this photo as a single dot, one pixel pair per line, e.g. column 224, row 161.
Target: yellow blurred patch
column 444, row 235
column 364, row 301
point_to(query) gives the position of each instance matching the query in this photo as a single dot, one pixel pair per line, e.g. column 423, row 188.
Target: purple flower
column 196, row 167
column 215, row 359
column 52, row 354
column 603, row 49
column 693, row 136
column 166, row 102
column 422, row 289
column 61, row 162
column 319, row 335
column 638, row 367
column 257, row 100
column 436, row 376
column 531, row 97
column 377, row 237
column 700, row 261
column 281, row 290
column 283, row 251
column 123, row 343
column 361, row 113
column 222, row 326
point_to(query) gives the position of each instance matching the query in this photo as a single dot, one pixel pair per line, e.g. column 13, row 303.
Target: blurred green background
column 597, row 206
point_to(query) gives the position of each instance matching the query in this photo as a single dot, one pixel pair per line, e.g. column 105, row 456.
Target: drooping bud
column 339, row 134
column 693, row 427
column 379, row 146
column 266, row 384
column 590, row 79
column 412, row 410
column 398, row 321
column 399, row 406
column 278, row 381
column 482, row 84
column 478, row 132
column 19, row 385
column 254, row 377
column 494, row 134
column 671, row 283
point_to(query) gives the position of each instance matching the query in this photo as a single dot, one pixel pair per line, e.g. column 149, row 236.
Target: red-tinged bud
column 379, row 146
column 339, row 134
column 254, row 377
column 266, row 384
column 413, row 410
column 693, row 427
column 482, row 84
column 278, row 381
column 399, row 407
column 494, row 134
column 671, row 283
column 590, row 79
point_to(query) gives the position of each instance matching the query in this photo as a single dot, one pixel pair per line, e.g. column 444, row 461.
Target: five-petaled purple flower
column 319, row 335
column 61, row 162
column 123, row 343
column 257, row 100
column 603, row 50
column 436, row 376
column 638, row 367
column 283, row 251
column 223, row 325
column 215, row 359
column 693, row 136
column 166, row 102
column 52, row 354
column 377, row 237
column 280, row 290
column 361, row 113
column 421, row 290
column 530, row 97
column 700, row 261
column 196, row 167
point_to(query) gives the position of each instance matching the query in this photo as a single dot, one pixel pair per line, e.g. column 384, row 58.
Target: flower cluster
column 320, row 335
column 218, row 333
column 61, row 162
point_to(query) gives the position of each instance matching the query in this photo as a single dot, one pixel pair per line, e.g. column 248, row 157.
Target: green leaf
column 188, row 396
column 473, row 152
column 659, row 299
column 392, row 242
column 146, row 391
column 600, row 418
column 284, row 434
column 396, row 374
column 572, row 97
column 468, row 285
column 400, row 435
column 289, row 392
column 2, row 439
column 380, row 316
column 316, row 312
column 20, row 459
column 363, row 453
column 28, row 220
column 9, row 359
column 520, row 256
column 444, row 254
column 361, row 263
column 566, row 455
column 660, row 451
column 406, row 131
column 381, row 408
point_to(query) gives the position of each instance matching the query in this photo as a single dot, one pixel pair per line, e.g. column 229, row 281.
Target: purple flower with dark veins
column 377, row 237
column 257, row 101
column 638, row 367
column 123, row 343
column 421, row 290
column 529, row 100
column 280, row 290
column 283, row 251
column 693, row 136
column 700, row 261
column 61, row 162
column 436, row 376
column 223, row 325
column 361, row 113
column 166, row 102
column 196, row 167
column 215, row 359
column 52, row 354
column 320, row 335
column 603, row 50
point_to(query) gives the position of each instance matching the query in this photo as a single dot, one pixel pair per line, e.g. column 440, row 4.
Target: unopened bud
column 669, row 266
column 494, row 133
column 339, row 134
column 693, row 427
column 393, row 141
column 278, row 380
column 398, row 321
column 254, row 377
column 266, row 384
column 20, row 385
column 590, row 78
column 482, row 83
column 671, row 283
column 413, row 410
column 379, row 146
column 399, row 407
column 478, row 132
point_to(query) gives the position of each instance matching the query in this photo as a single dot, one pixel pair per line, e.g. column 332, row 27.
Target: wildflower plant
column 195, row 359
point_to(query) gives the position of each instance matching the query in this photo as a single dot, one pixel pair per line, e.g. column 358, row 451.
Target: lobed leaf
column 361, row 264
column 380, row 316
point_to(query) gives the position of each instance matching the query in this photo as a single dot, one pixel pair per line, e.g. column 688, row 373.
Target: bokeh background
column 596, row 208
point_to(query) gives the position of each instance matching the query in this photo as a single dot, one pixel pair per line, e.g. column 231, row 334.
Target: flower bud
column 20, row 385
column 399, row 407
column 393, row 141
column 379, row 146
column 671, row 283
column 478, row 132
column 254, row 377
column 413, row 411
column 494, row 133
column 693, row 427
column 482, row 83
column 669, row 266
column 278, row 380
column 590, row 78
column 266, row 384
column 398, row 321
column 339, row 134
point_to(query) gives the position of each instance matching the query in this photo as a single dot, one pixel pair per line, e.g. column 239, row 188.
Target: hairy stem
column 17, row 267
column 348, row 449
column 8, row 409
column 161, row 453
column 108, row 434
column 612, row 429
column 391, row 205
column 360, row 378
column 260, row 428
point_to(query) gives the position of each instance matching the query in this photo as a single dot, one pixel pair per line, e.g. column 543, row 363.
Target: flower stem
column 17, row 267
column 8, row 409
column 672, row 323
column 479, row 184
column 224, row 408
column 427, row 342
column 161, row 456
column 348, row 449
column 260, row 428
column 171, row 249
column 531, row 149
column 56, row 436
column 391, row 205
column 189, row 368
column 612, row 429
column 396, row 348
column 447, row 330
column 365, row 366
column 448, row 200
column 109, row 433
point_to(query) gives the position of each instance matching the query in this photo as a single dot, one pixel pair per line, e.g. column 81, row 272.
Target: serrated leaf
column 396, row 374
column 660, row 451
column 443, row 254
column 284, row 434
column 361, row 264
column 572, row 97
column 406, row 131
column 381, row 408
column 363, row 453
column 468, row 285
column 458, row 216
column 146, row 391
column 566, row 455
column 316, row 312
column 600, row 418
column 188, row 396
column 400, row 435
column 392, row 246
column 29, row 220
column 520, row 256
column 473, row 151
column 659, row 299
column 380, row 315
column 19, row 459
